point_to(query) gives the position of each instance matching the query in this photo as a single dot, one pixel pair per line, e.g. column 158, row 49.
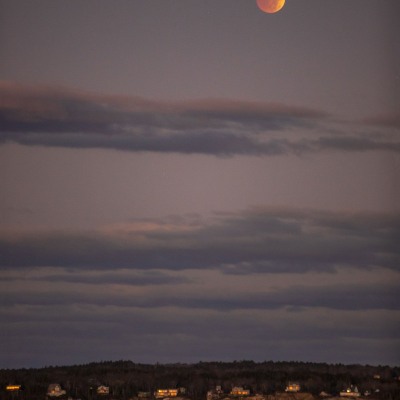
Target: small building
column 351, row 391
column 55, row 390
column 293, row 387
column 324, row 394
column 239, row 391
column 144, row 395
column 103, row 390
column 163, row 393
column 210, row 395
column 13, row 388
column 215, row 394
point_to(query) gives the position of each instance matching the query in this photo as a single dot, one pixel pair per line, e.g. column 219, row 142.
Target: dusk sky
column 197, row 180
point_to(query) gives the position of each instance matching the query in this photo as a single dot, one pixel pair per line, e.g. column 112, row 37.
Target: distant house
column 163, row 393
column 103, row 390
column 55, row 390
column 324, row 394
column 351, row 391
column 211, row 395
column 13, row 388
column 239, row 391
column 215, row 394
column 293, row 387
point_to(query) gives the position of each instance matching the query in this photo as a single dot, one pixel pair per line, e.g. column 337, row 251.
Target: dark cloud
column 254, row 241
column 334, row 297
column 219, row 319
column 80, row 327
column 59, row 117
column 116, row 277
column 354, row 144
column 274, row 324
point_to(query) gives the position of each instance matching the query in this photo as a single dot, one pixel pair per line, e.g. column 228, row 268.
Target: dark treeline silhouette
column 126, row 379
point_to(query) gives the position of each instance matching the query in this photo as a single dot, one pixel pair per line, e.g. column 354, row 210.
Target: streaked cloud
column 60, row 117
column 115, row 277
column 294, row 298
column 258, row 240
column 159, row 332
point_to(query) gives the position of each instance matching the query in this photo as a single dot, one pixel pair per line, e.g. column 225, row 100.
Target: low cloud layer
column 73, row 319
column 59, row 117
column 294, row 298
column 261, row 283
column 254, row 241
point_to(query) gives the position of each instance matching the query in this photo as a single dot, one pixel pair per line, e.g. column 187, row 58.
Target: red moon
column 270, row 6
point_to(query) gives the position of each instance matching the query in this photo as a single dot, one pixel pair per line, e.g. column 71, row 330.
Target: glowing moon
column 270, row 6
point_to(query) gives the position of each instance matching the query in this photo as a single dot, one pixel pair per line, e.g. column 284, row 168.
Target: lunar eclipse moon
column 270, row 6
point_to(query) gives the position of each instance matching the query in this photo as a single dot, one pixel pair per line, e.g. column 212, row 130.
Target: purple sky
column 198, row 180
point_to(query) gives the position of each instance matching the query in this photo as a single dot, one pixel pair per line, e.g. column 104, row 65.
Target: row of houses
column 239, row 391
column 292, row 387
column 55, row 391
